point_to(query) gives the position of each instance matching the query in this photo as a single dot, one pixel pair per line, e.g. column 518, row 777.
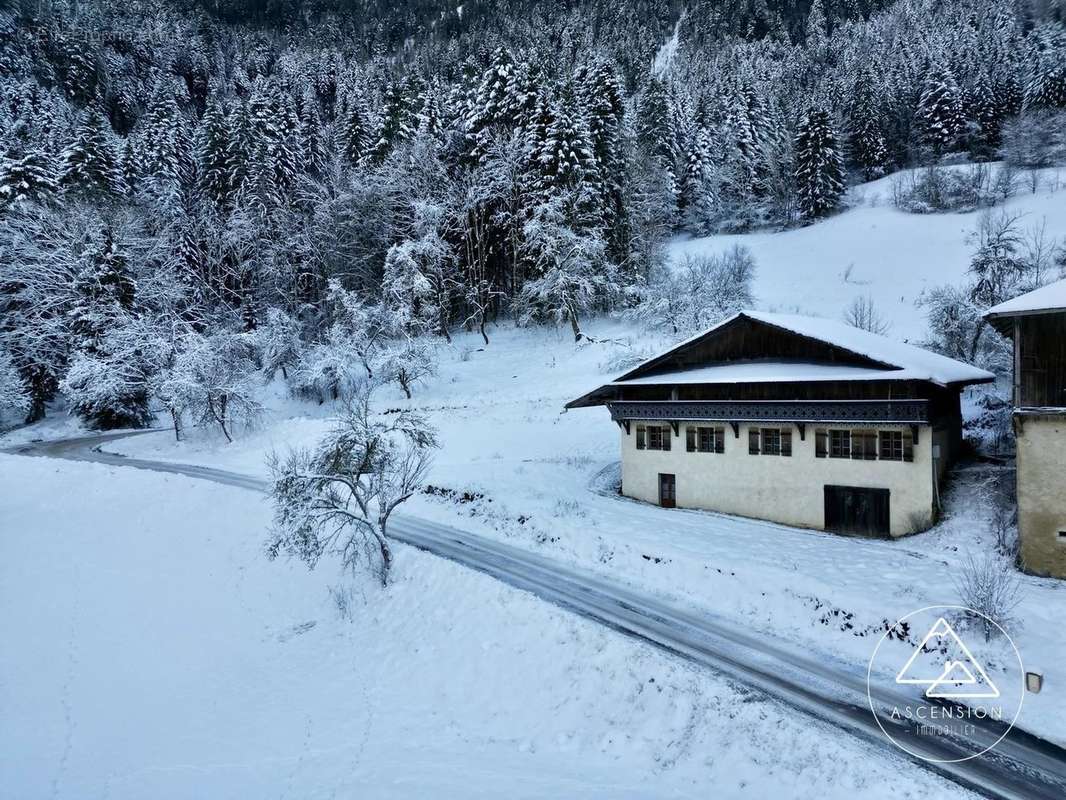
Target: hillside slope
column 873, row 249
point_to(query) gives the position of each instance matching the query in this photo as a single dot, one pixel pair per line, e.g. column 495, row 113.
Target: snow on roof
column 767, row 372
column 1047, row 298
column 915, row 362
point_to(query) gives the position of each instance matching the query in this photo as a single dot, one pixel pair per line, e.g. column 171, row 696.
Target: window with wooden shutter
column 786, row 442
column 666, row 437
column 753, row 441
column 640, row 437
column 690, row 438
column 891, row 445
column 821, row 444
column 864, row 445
column 840, row 444
column 908, row 446
column 709, row 440
column 655, row 437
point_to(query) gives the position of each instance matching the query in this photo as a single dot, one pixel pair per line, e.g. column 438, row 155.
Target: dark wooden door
column 856, row 510
column 667, row 490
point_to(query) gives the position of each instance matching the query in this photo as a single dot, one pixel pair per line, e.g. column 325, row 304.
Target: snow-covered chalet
column 794, row 419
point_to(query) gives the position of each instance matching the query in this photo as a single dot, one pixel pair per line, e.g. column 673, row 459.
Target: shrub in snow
column 699, row 292
column 335, row 499
column 989, row 586
column 408, row 362
column 110, row 389
column 331, row 370
column 935, row 188
column 214, row 380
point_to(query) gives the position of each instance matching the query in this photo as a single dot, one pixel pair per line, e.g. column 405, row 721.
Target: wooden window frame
column 709, row 439
column 890, row 445
column 770, row 441
column 642, row 437
column 754, row 442
column 821, row 443
column 657, row 437
column 839, row 443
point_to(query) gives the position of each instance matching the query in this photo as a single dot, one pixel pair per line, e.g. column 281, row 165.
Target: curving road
column 1021, row 767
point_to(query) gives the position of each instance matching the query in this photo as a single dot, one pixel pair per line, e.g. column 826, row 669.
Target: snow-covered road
column 1021, row 766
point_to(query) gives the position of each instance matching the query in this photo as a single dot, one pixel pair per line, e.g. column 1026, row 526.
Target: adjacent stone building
column 1036, row 323
column 794, row 419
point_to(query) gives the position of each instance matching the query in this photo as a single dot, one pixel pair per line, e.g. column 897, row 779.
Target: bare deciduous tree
column 336, row 498
column 990, row 587
column 863, row 314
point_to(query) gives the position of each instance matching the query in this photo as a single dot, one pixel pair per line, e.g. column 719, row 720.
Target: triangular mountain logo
column 958, row 678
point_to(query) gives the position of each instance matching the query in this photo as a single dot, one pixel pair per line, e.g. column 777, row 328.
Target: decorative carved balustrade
column 900, row 412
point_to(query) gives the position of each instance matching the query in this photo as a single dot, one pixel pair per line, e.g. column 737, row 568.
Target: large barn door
column 667, row 490
column 857, row 510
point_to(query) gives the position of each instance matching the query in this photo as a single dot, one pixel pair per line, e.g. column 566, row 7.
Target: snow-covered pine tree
column 431, row 119
column 697, row 200
column 985, row 117
column 491, row 105
column 27, row 179
column 396, row 123
column 940, row 117
column 816, row 32
column 90, row 164
column 260, row 189
column 354, row 127
column 312, row 140
column 1045, row 86
column 819, row 167
column 166, row 147
column 214, row 154
column 103, row 289
column 289, row 156
column 866, row 141
column 566, row 162
column 602, row 97
column 242, row 143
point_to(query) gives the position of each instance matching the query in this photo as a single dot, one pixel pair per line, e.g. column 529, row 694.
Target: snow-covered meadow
column 513, row 465
column 154, row 652
column 875, row 250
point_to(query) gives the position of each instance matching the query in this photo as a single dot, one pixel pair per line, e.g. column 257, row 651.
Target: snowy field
column 157, row 654
column 514, row 466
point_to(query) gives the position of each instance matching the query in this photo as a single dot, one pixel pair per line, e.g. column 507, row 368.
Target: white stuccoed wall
column 778, row 488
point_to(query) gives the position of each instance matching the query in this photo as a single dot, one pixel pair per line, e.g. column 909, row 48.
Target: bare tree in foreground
column 336, row 498
column 990, row 587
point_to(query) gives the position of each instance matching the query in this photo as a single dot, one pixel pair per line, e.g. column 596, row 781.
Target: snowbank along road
column 1020, row 766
